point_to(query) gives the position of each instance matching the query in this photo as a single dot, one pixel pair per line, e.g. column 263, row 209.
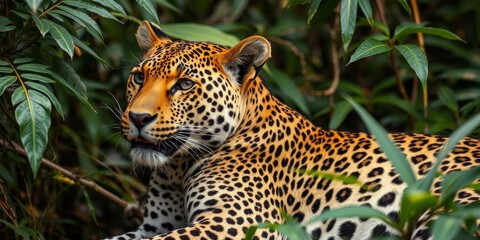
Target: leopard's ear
column 150, row 35
column 245, row 60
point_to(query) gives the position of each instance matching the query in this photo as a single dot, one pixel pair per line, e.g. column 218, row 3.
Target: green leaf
column 4, row 63
column 368, row 48
column 112, row 5
column 416, row 59
column 446, row 228
column 42, row 25
column 83, row 19
column 90, row 206
column 447, row 96
column 32, row 113
column 5, row 82
column 415, row 201
column 382, row 27
column 37, row 77
column 348, row 16
column 5, row 70
column 66, row 75
column 147, row 5
column 388, row 147
column 351, row 212
column 406, row 7
column 22, row 60
column 313, row 9
column 340, row 111
column 6, row 24
column 94, row 8
column 455, row 181
column 367, row 10
column 47, row 92
column 33, row 4
column 34, row 67
column 404, row 30
column 62, row 37
column 406, row 106
column 346, row 179
column 168, row 5
column 199, row 32
column 288, row 87
column 87, row 49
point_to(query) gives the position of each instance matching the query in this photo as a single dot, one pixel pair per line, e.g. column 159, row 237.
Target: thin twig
column 421, row 43
column 335, row 66
column 295, row 50
column 391, row 56
column 76, row 178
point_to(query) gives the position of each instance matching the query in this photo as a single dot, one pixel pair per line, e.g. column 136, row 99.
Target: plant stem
column 15, row 147
column 336, row 68
column 391, row 56
column 421, row 43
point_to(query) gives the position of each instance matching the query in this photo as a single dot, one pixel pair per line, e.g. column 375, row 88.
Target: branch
column 76, row 178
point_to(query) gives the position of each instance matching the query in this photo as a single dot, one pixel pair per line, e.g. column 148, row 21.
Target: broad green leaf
column 199, row 32
column 37, row 77
column 446, row 227
column 49, row 93
column 32, row 112
column 367, row 10
column 381, row 137
column 404, row 30
column 406, row 7
column 149, row 7
column 340, row 111
column 351, row 212
column 5, row 82
column 415, row 201
column 455, row 181
column 6, row 24
column 4, row 63
column 87, row 49
column 348, row 16
column 382, row 27
column 416, row 59
column 288, row 87
column 447, row 96
column 112, row 5
column 42, row 25
column 83, row 19
column 34, row 67
column 33, row 4
column 5, row 70
column 66, row 75
column 62, row 37
column 91, row 8
column 313, row 9
column 368, row 48
column 22, row 60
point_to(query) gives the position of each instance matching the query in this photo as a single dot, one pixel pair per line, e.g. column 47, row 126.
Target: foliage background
column 87, row 142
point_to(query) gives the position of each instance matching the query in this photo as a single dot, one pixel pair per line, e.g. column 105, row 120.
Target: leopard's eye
column 138, row 78
column 185, row 84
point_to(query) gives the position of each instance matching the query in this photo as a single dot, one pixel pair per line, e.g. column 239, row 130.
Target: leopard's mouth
column 167, row 147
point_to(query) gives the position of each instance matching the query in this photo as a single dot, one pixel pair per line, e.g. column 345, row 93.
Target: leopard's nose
column 140, row 120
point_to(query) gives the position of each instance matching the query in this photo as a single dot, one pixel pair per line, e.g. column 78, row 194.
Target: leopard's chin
column 149, row 157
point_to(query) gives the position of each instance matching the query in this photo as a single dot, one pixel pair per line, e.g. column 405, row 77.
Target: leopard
column 225, row 153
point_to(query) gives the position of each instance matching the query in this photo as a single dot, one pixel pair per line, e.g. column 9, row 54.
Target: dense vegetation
column 64, row 63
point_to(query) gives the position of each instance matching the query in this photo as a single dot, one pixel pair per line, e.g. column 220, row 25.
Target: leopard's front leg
column 164, row 209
